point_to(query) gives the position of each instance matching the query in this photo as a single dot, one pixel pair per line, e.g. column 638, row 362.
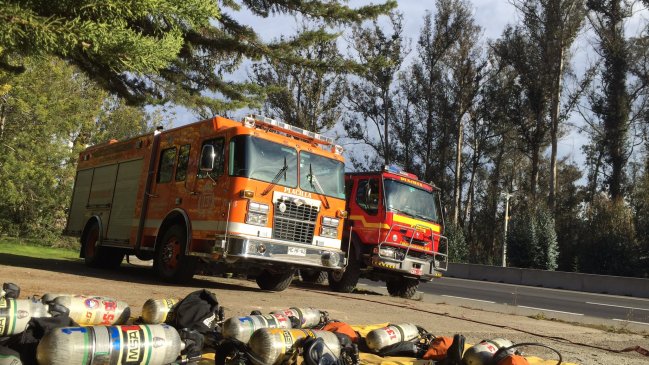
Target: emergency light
column 252, row 120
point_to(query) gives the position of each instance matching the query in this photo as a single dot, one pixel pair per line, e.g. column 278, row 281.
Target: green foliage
column 371, row 95
column 458, row 250
column 31, row 248
column 154, row 51
column 51, row 112
column 532, row 240
column 306, row 97
column 641, row 220
column 608, row 243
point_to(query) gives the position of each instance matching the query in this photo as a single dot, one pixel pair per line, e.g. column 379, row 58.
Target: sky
column 491, row 15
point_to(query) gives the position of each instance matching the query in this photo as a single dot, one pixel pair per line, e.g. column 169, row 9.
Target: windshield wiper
column 401, row 211
column 313, row 180
column 276, row 178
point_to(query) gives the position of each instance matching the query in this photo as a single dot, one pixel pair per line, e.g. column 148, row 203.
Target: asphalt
column 611, row 310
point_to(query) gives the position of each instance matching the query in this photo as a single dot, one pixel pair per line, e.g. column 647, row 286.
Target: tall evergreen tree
column 160, row 50
column 612, row 105
column 310, row 98
column 371, row 94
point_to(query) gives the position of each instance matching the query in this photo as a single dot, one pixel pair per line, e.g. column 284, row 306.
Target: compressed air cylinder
column 309, row 317
column 156, row 311
column 271, row 345
column 241, row 328
column 155, row 344
column 394, row 333
column 90, row 311
column 16, row 313
column 483, row 352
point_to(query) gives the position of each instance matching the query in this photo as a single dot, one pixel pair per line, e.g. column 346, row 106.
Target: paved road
column 551, row 302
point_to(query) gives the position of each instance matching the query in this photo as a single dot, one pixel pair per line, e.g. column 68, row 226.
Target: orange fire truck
column 394, row 231
column 259, row 197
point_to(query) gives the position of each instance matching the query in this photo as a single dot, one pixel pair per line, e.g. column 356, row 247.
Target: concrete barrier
column 605, row 284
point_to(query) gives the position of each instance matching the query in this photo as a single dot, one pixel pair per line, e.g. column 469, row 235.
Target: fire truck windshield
column 326, row 173
column 263, row 160
column 410, row 200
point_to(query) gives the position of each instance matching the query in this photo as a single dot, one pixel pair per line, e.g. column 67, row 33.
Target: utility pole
column 507, row 195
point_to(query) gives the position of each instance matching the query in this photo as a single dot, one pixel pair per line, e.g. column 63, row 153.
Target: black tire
column 313, row 276
column 402, row 287
column 275, row 280
column 170, row 262
column 346, row 281
column 97, row 256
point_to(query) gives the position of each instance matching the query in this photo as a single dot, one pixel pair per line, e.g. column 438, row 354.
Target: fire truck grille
column 296, row 223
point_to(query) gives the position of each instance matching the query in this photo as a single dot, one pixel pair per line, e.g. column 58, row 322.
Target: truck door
column 367, row 199
column 211, row 188
column 162, row 195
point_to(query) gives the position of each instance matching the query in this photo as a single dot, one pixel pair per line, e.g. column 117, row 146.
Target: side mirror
column 207, row 158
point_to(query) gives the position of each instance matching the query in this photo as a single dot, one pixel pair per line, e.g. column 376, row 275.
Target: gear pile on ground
column 79, row 329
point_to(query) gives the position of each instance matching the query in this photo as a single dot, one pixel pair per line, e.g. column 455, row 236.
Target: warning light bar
column 399, row 171
column 253, row 120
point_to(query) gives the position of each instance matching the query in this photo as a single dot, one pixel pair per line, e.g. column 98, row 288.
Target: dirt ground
column 135, row 284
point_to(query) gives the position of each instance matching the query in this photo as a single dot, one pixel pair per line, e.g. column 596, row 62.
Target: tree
column 306, row 97
column 612, row 105
column 458, row 250
column 536, row 49
column 371, row 94
column 608, row 240
column 160, row 50
column 532, row 241
column 49, row 114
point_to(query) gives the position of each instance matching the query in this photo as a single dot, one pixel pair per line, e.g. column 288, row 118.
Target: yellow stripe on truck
column 368, row 225
column 416, row 222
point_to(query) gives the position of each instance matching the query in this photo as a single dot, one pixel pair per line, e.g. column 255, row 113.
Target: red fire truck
column 259, row 197
column 394, row 232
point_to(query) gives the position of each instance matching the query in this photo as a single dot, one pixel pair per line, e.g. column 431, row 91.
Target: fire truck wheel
column 346, row 281
column 402, row 287
column 170, row 262
column 95, row 255
column 275, row 280
column 313, row 276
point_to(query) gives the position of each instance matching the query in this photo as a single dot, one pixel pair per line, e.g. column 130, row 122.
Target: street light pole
column 507, row 195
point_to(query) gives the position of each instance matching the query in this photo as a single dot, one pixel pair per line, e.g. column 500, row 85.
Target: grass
column 33, row 249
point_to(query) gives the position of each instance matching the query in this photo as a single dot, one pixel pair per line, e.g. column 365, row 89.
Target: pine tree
column 309, row 98
column 371, row 94
column 161, row 50
column 612, row 103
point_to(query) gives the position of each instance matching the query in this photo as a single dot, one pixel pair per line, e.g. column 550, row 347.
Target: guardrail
column 605, row 284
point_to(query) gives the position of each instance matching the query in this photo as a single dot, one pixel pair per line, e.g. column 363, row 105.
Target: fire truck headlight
column 330, row 259
column 330, row 222
column 258, row 207
column 330, row 232
column 256, row 219
column 388, row 253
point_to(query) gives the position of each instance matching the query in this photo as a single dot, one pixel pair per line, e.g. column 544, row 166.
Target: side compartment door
column 76, row 217
column 101, row 194
column 122, row 213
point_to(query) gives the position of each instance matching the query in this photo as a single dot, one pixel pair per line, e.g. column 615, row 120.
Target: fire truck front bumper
column 423, row 269
column 269, row 250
